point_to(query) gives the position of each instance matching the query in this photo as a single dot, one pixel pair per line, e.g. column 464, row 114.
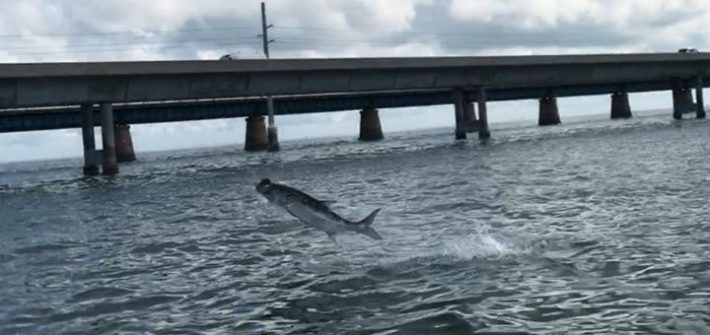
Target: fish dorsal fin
column 327, row 203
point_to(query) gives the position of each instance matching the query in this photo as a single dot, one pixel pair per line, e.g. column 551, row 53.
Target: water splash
column 479, row 244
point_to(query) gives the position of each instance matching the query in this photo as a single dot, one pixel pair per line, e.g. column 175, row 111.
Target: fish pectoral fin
column 290, row 210
column 298, row 212
column 293, row 208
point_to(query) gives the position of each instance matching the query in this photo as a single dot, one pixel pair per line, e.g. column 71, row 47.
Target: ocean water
column 590, row 227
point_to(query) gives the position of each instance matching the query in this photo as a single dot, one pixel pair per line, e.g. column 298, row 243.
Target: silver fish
column 313, row 212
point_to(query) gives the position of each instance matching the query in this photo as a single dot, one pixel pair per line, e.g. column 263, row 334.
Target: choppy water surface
column 591, row 227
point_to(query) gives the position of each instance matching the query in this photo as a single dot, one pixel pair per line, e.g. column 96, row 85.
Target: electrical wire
column 122, row 32
column 453, row 40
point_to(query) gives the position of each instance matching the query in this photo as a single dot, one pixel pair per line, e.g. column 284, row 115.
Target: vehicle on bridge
column 230, row 57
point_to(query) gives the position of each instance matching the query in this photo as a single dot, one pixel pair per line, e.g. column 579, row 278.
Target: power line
column 289, row 40
column 229, row 42
column 133, row 48
column 405, row 33
column 420, row 32
column 138, row 32
column 138, row 43
column 123, row 32
column 292, row 41
column 378, row 43
column 465, row 40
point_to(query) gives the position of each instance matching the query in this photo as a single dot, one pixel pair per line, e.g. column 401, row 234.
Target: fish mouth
column 263, row 185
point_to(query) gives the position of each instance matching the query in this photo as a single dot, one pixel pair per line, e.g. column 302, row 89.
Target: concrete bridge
column 114, row 95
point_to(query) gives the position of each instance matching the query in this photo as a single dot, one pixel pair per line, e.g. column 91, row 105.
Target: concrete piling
column 272, row 137
column 91, row 164
column 272, row 132
column 620, row 107
column 469, row 121
column 256, row 136
column 699, row 100
column 469, row 112
column 678, row 97
column 110, row 166
column 469, row 117
column 682, row 102
column 370, row 128
column 549, row 113
column 124, row 144
column 483, row 132
column 460, row 130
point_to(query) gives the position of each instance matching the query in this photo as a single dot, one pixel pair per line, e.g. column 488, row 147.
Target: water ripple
column 583, row 228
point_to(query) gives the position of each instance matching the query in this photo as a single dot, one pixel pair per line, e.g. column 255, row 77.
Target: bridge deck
column 52, row 84
column 47, row 95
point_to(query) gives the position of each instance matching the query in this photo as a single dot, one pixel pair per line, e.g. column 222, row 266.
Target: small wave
column 98, row 293
column 47, row 247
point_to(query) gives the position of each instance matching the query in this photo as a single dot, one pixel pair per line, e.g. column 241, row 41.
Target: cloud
column 85, row 30
column 657, row 25
column 534, row 14
column 89, row 30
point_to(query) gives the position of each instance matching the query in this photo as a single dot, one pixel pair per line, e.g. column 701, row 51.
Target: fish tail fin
column 366, row 226
column 366, row 222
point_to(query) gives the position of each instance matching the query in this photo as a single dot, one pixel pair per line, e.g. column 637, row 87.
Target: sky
column 125, row 30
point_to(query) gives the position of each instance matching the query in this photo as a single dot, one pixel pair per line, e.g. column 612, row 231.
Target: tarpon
column 313, row 212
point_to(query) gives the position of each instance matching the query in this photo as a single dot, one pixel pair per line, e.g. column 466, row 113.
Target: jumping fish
column 313, row 212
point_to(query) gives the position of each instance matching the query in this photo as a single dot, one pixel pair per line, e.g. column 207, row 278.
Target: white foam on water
column 479, row 244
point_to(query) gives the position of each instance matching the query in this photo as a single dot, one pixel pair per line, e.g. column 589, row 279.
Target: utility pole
column 273, row 136
column 265, row 30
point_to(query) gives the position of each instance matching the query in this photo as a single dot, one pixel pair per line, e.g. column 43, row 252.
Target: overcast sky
column 118, row 30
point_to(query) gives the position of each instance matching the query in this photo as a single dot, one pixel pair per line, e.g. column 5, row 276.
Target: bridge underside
column 15, row 120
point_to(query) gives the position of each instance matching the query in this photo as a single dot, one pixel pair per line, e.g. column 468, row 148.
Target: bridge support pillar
column 91, row 161
column 469, row 116
column 469, row 112
column 256, row 136
column 620, row 107
column 460, row 130
column 699, row 100
column 549, row 114
column 682, row 102
column 370, row 128
column 110, row 166
column 483, row 132
column 272, row 137
column 124, row 144
column 272, row 132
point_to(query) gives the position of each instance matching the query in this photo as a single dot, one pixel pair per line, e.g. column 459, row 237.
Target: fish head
column 264, row 186
column 272, row 192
